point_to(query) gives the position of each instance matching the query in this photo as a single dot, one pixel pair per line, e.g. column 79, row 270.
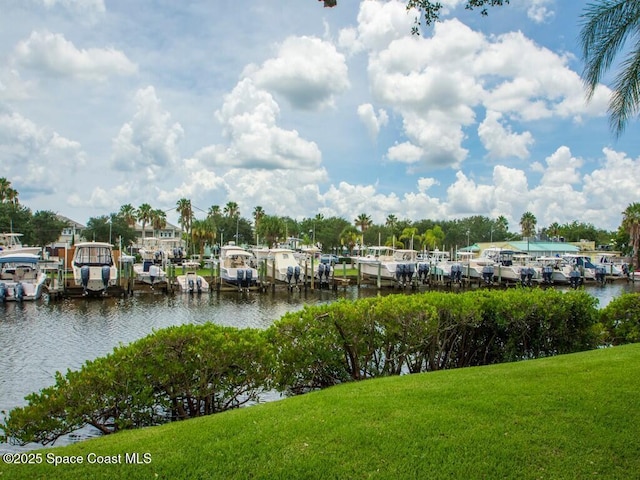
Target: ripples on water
column 39, row 338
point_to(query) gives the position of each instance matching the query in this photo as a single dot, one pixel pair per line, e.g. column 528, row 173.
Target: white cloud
column 500, row 141
column 308, row 72
column 372, row 121
column 249, row 119
column 53, row 54
column 149, row 141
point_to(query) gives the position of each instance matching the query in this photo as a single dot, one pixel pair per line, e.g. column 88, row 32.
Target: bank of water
column 39, row 338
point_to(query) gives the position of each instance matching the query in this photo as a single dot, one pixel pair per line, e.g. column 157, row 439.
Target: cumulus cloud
column 54, row 54
column 500, row 141
column 372, row 121
column 149, row 141
column 29, row 150
column 307, row 72
column 249, row 120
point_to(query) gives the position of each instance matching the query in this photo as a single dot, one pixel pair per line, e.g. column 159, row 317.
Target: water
column 39, row 338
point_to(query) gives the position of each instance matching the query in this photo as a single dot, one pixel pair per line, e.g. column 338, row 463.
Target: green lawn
column 567, row 417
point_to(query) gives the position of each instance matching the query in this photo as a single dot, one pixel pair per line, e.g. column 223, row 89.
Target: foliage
column 429, row 11
column 326, row 345
column 621, row 319
column 45, row 228
column 178, row 372
column 110, row 229
column 606, row 28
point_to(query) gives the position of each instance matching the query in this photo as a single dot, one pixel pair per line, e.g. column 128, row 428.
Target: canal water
column 39, row 338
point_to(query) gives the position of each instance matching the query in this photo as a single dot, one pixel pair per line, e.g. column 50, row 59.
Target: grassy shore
column 567, row 417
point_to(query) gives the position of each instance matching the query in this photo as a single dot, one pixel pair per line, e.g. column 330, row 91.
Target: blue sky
column 303, row 110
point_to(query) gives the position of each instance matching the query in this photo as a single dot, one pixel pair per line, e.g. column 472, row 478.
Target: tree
column 144, row 216
column 363, row 222
column 631, row 223
column 231, row 209
column 183, row 206
column 214, row 211
column 113, row 225
column 271, row 228
column 129, row 214
column 410, row 234
column 158, row 219
column 203, row 232
column 528, row 223
column 606, row 27
column 349, row 237
column 46, row 228
column 7, row 193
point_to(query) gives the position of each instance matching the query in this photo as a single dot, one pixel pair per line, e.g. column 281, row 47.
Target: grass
column 567, row 417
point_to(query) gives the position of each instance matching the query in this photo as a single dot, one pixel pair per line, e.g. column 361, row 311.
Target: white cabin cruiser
column 21, row 277
column 236, row 266
column 94, row 268
column 389, row 264
column 281, row 265
column 10, row 243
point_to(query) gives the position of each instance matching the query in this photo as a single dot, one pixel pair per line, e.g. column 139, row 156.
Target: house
column 170, row 235
column 70, row 234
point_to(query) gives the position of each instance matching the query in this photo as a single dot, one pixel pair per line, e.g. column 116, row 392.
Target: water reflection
column 39, row 338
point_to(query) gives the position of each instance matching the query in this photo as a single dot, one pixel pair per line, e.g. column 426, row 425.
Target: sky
column 306, row 110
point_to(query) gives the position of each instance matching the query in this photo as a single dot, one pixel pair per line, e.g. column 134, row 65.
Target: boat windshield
column 93, row 256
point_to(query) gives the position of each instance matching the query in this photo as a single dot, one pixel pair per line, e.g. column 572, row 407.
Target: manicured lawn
column 567, row 417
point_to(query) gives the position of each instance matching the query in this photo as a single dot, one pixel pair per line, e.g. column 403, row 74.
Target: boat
column 150, row 270
column 11, row 243
column 236, row 268
column 21, row 277
column 389, row 264
column 94, row 268
column 190, row 281
column 612, row 268
column 280, row 265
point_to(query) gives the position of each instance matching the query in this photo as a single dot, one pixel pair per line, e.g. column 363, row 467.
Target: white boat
column 191, row 282
column 150, row 271
column 235, row 266
column 582, row 263
column 280, row 265
column 94, row 268
column 10, row 243
column 389, row 264
column 501, row 261
column 553, row 270
column 21, row 277
column 611, row 267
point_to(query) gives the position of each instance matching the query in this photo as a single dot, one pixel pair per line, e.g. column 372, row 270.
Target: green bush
column 621, row 319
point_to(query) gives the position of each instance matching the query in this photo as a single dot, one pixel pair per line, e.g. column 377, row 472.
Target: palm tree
column 528, row 223
column 183, row 206
column 129, row 214
column 144, row 216
column 258, row 213
column 203, row 232
column 349, row 237
column 363, row 222
column 231, row 209
column 214, row 211
column 7, row 193
column 631, row 223
column 607, row 26
column 409, row 233
column 271, row 228
column 158, row 219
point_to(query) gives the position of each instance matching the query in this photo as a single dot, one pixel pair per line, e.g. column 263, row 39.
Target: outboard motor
column 84, row 278
column 248, row 277
column 191, row 285
column 487, row 274
column 106, row 275
column 240, row 277
column 400, row 271
column 199, row 284
column 423, row 271
column 526, row 275
column 289, row 274
column 574, row 278
column 18, row 291
column 296, row 273
column 547, row 274
column 456, row 273
column 410, row 270
column 321, row 271
column 601, row 274
column 3, row 292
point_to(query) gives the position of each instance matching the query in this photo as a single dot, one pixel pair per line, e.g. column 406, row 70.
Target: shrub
column 621, row 319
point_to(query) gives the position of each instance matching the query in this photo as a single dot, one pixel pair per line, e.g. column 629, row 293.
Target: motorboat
column 236, row 266
column 608, row 263
column 94, row 268
column 21, row 277
column 389, row 264
column 11, row 243
column 280, row 265
column 189, row 281
column 501, row 261
column 150, row 270
column 582, row 263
